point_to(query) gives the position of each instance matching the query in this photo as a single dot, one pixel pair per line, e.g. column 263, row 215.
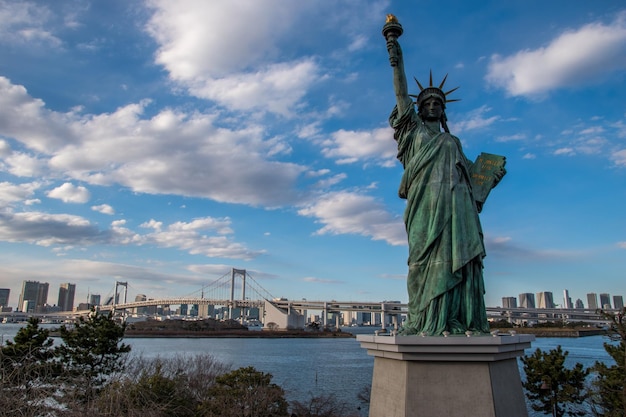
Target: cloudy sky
column 163, row 143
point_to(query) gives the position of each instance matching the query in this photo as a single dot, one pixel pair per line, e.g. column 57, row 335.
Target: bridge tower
column 120, row 284
column 233, row 274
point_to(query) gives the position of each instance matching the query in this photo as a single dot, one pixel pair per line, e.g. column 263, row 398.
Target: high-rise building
column 4, row 297
column 42, row 297
column 94, row 299
column 567, row 301
column 592, row 301
column 527, row 300
column 618, row 302
column 509, row 302
column 141, row 310
column 34, row 296
column 66, row 296
column 579, row 303
column 605, row 301
column 545, row 299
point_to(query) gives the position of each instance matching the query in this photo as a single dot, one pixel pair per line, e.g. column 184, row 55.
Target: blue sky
column 163, row 143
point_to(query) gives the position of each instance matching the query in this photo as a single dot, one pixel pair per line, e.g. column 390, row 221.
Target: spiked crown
column 432, row 91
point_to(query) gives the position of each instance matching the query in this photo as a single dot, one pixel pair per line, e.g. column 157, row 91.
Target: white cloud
column 511, row 138
column 351, row 213
column 204, row 236
column 573, row 58
column 321, row 280
column 475, row 119
column 47, row 229
column 222, row 51
column 277, row 88
column 24, row 22
column 139, row 153
column 565, row 151
column 104, row 209
column 348, row 146
column 69, row 193
column 619, row 158
column 192, row 237
column 11, row 193
column 200, row 38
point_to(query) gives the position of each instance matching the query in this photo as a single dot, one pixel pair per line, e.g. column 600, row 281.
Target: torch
column 392, row 31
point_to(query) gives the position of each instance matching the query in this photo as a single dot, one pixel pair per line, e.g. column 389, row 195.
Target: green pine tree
column 27, row 372
column 609, row 396
column 551, row 387
column 92, row 351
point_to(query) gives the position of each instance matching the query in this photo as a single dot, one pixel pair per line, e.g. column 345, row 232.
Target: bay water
column 307, row 367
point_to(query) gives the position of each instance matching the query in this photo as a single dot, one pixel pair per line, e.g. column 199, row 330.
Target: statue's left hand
column 498, row 175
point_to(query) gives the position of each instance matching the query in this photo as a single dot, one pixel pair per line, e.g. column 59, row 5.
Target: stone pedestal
column 454, row 376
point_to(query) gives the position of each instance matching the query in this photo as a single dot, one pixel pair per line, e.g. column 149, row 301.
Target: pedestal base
column 446, row 376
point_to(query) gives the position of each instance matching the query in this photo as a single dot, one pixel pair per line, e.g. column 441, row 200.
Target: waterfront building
column 83, row 306
column 141, row 310
column 605, row 301
column 545, row 299
column 618, row 302
column 4, row 297
column 509, row 302
column 184, row 309
column 66, row 297
column 94, row 299
column 205, row 310
column 567, row 301
column 579, row 304
column 34, row 297
column 527, row 300
column 592, row 301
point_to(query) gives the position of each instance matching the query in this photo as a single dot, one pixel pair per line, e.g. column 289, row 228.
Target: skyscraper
column 545, row 299
column 527, row 300
column 567, row 301
column 605, row 301
column 509, row 302
column 33, row 297
column 592, row 301
column 42, row 297
column 579, row 303
column 66, row 296
column 618, row 302
column 94, row 299
column 4, row 297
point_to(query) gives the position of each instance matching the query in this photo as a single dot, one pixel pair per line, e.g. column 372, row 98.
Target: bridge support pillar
column 453, row 376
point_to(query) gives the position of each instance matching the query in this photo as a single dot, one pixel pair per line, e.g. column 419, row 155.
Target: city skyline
column 534, row 300
column 165, row 143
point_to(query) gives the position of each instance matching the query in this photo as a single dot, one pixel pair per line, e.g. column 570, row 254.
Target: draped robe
column 445, row 281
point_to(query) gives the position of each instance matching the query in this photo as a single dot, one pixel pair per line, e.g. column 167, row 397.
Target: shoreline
column 243, row 334
column 554, row 331
column 287, row 334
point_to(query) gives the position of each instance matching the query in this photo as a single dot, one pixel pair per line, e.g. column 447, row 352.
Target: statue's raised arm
column 392, row 31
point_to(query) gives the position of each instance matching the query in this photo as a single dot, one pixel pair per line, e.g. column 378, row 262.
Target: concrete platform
column 454, row 376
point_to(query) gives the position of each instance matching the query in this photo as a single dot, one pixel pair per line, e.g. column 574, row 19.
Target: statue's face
column 431, row 109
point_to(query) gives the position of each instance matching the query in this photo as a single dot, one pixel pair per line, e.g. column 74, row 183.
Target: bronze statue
column 445, row 278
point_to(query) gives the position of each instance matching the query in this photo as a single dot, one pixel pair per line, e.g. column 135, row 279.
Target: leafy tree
column 609, row 396
column 26, row 370
column 92, row 350
column 244, row 392
column 551, row 387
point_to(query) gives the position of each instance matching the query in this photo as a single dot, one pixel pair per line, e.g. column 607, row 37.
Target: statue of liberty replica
column 445, row 192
